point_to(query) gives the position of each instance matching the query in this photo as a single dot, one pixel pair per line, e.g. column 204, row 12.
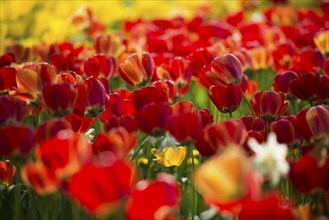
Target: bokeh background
column 29, row 22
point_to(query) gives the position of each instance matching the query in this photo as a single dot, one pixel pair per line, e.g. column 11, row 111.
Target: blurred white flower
column 270, row 158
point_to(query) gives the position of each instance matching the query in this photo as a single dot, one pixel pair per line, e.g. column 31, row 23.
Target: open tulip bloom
column 146, row 110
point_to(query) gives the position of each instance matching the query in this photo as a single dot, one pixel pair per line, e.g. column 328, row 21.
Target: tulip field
column 172, row 109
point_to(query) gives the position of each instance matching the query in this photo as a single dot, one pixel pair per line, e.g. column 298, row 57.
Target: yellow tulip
column 170, row 156
column 321, row 40
column 223, row 178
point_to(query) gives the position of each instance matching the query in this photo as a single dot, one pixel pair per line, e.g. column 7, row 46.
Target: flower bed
column 198, row 116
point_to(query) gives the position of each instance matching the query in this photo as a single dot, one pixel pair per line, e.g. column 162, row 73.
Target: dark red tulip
column 224, row 70
column 59, row 99
column 206, row 117
column 199, row 58
column 306, row 86
column 16, row 140
column 12, row 110
column 6, row 59
column 323, row 91
column 163, row 192
column 127, row 121
column 8, row 78
column 99, row 188
column 118, row 140
column 100, row 66
column 185, row 126
column 282, row 80
column 307, row 174
column 203, row 146
column 137, row 68
column 49, row 129
column 226, row 98
column 271, row 207
column 269, row 105
column 20, row 52
column 253, row 123
column 225, row 133
column 91, row 98
column 313, row 124
column 146, row 95
column 286, row 132
column 153, row 117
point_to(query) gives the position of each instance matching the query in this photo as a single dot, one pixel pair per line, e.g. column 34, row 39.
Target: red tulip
column 163, row 194
column 126, row 121
column 282, row 80
column 269, row 105
column 313, row 124
column 7, row 172
column 8, row 78
column 307, row 174
column 306, row 86
column 118, row 140
column 282, row 55
column 258, row 135
column 100, row 66
column 80, row 124
column 12, row 110
column 99, row 188
column 270, row 207
column 286, row 132
column 6, row 59
column 59, row 99
column 309, row 60
column 153, row 117
column 225, row 133
column 226, row 98
column 146, row 95
column 168, row 87
column 224, row 70
column 16, row 140
column 185, row 126
column 199, row 58
column 91, row 98
column 323, row 91
column 137, row 68
column 49, row 129
column 252, row 123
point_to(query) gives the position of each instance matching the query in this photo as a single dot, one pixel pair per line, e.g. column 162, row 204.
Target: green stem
column 230, row 113
column 141, row 146
column 193, row 184
column 249, row 105
column 98, row 126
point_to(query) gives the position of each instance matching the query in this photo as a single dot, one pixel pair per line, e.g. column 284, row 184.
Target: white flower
column 270, row 158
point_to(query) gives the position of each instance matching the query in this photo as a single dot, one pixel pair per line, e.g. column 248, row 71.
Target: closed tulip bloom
column 313, row 124
column 226, row 98
column 306, row 86
column 100, row 66
column 91, row 98
column 224, row 70
column 59, row 99
column 269, row 105
column 137, row 68
column 286, row 131
column 282, row 80
column 12, row 110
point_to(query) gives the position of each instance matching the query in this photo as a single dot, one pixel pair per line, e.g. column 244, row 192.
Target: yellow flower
column 170, row 156
column 321, row 40
column 223, row 178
